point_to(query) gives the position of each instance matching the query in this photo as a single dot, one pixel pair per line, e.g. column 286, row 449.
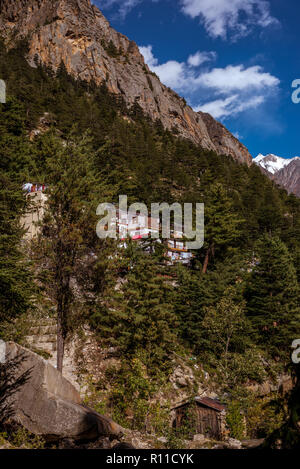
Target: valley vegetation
column 234, row 311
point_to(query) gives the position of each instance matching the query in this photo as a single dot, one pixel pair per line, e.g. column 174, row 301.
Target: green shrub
column 235, row 420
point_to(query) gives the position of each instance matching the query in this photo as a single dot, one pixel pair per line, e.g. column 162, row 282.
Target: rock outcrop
column 76, row 33
column 224, row 142
column 48, row 405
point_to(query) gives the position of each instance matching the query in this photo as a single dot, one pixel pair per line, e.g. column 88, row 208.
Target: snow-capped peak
column 273, row 163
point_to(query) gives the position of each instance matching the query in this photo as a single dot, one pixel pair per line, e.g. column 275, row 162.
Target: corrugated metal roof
column 206, row 401
column 212, row 403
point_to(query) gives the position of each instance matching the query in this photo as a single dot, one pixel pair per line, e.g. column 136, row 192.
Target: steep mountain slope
column 223, row 140
column 289, row 177
column 284, row 171
column 76, row 33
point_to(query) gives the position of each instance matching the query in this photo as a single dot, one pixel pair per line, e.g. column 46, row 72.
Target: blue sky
column 236, row 59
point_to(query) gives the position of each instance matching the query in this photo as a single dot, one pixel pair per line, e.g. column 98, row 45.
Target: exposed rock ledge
column 48, row 405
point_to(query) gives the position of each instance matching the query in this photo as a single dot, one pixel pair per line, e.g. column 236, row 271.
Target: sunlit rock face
column 76, row 33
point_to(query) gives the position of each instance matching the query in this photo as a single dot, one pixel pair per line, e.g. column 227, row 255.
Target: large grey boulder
column 49, row 405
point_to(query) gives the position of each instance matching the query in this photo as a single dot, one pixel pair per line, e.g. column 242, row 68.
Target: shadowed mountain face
column 75, row 32
column 285, row 172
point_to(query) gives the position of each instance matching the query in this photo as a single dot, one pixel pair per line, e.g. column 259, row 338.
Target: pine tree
column 226, row 343
column 196, row 291
column 16, row 279
column 225, row 323
column 15, row 148
column 273, row 297
column 144, row 321
column 67, row 246
column 222, row 224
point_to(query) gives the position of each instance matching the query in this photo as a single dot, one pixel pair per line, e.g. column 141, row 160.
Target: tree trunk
column 226, row 352
column 60, row 342
column 206, row 260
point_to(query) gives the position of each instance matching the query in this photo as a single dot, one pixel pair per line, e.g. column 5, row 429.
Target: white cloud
column 238, row 78
column 228, row 91
column 218, row 108
column 178, row 75
column 200, row 58
column 124, row 6
column 221, row 16
column 150, row 60
column 238, row 135
column 231, row 106
column 172, row 74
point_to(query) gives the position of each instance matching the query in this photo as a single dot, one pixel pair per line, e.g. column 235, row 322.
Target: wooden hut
column 201, row 415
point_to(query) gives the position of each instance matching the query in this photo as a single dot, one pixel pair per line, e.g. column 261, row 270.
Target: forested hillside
column 235, row 310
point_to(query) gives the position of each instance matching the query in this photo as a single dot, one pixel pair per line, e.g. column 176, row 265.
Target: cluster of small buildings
column 139, row 227
column 136, row 227
column 34, row 187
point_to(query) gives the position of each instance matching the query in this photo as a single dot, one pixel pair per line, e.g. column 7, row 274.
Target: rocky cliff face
column 76, row 32
column 289, row 177
column 285, row 172
column 224, row 141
